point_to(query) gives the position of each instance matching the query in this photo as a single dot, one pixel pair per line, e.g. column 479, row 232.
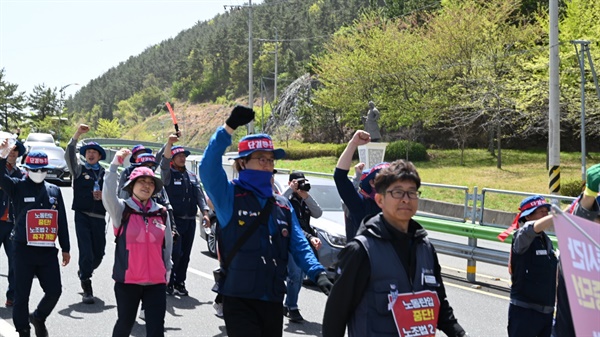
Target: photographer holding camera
column 304, row 206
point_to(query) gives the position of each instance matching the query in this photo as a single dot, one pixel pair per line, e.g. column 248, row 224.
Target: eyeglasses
column 39, row 170
column 265, row 161
column 399, row 194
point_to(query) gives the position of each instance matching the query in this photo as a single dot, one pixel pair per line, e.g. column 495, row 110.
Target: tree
column 108, row 128
column 11, row 104
column 44, row 102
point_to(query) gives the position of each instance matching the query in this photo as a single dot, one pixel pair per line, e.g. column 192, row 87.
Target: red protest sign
column 42, row 227
column 416, row 314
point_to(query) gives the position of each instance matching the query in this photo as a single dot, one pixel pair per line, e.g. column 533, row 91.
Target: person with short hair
column 142, row 231
column 253, row 282
column 305, row 207
column 40, row 219
column 389, row 260
column 7, row 219
column 90, row 222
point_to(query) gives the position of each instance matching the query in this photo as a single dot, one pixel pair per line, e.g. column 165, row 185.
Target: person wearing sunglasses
column 390, row 262
column 40, row 219
column 263, row 227
column 8, row 218
column 90, row 223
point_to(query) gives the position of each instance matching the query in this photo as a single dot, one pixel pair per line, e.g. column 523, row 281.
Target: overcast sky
column 58, row 42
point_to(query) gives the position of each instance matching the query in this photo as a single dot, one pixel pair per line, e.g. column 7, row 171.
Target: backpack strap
column 124, row 221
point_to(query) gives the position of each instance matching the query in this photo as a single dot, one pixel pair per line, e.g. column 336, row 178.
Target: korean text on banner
column 580, row 258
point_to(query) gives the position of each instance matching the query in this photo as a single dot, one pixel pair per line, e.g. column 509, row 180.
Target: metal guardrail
column 474, row 230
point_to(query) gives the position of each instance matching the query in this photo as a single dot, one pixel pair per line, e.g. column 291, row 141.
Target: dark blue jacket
column 222, row 195
column 259, row 267
column 26, row 195
column 5, row 199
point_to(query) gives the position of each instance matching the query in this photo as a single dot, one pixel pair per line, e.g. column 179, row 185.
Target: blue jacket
column 221, row 193
column 26, row 195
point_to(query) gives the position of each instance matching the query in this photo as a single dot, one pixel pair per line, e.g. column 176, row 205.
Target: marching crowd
column 266, row 245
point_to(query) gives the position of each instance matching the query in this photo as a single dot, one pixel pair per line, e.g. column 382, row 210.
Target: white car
column 39, row 139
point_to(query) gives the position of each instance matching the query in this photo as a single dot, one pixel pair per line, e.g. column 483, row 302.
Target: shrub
column 571, row 188
column 340, row 148
column 398, row 150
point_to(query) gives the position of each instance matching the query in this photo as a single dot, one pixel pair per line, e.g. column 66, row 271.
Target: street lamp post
column 62, row 107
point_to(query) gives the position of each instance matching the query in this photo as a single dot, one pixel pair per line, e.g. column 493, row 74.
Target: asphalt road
column 481, row 309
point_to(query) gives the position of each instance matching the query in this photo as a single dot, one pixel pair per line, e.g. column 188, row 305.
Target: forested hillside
column 447, row 73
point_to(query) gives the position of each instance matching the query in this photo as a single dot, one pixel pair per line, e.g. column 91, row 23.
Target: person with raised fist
column 185, row 195
column 142, row 238
column 362, row 202
column 258, row 231
column 8, row 218
column 90, row 223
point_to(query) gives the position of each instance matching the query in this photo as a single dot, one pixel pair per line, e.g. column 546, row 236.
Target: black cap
column 296, row 175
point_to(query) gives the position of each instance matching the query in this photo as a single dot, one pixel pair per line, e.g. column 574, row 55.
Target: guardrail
column 473, row 210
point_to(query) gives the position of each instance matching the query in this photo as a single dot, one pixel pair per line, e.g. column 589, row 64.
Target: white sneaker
column 142, row 315
column 218, row 309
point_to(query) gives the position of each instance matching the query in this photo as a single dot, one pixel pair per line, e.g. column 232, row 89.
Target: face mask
column 256, row 181
column 37, row 177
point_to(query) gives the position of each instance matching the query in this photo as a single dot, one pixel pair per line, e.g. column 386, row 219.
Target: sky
column 63, row 42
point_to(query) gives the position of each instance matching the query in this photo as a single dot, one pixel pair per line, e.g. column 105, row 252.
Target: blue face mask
column 258, row 182
column 94, row 167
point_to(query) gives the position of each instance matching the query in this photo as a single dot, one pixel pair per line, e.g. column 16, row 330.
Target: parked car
column 39, row 139
column 56, row 157
column 329, row 227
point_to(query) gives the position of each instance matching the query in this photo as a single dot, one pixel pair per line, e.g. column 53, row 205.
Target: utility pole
column 276, row 52
column 250, row 86
column 250, row 126
column 584, row 49
column 554, row 104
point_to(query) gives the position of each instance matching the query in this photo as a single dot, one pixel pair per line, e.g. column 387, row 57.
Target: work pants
column 523, row 322
column 91, row 241
column 154, row 300
column 246, row 317
column 5, row 230
column 41, row 262
column 182, row 249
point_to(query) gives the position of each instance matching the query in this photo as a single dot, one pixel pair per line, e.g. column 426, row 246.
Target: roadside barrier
column 469, row 223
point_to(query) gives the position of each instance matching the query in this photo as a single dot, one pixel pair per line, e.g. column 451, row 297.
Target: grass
column 522, row 171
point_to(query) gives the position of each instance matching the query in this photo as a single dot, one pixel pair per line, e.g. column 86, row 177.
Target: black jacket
column 354, row 270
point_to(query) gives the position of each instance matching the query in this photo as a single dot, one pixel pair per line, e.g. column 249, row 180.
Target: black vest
column 533, row 274
column 83, row 186
column 372, row 317
column 259, row 268
column 182, row 193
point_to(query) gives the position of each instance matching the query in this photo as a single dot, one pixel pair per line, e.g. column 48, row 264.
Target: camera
column 303, row 185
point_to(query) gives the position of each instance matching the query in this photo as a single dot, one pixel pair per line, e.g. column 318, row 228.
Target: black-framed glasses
column 39, row 170
column 399, row 194
column 265, row 161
